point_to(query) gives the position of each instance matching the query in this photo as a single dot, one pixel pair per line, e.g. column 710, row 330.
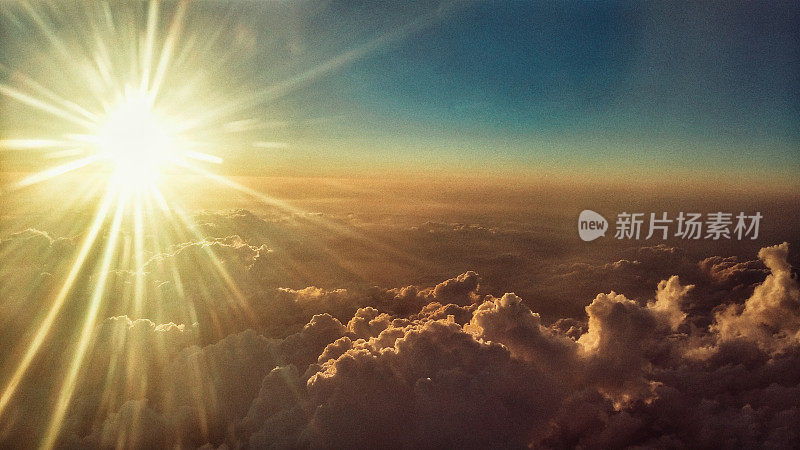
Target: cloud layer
column 709, row 357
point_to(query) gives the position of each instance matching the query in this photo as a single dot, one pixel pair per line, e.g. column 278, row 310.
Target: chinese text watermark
column 693, row 225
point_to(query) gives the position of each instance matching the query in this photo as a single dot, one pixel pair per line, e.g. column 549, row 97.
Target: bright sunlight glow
column 136, row 141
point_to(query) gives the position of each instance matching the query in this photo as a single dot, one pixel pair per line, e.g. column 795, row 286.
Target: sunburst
column 128, row 101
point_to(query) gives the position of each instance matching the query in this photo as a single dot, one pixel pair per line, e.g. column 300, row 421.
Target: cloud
column 459, row 290
column 135, row 425
column 436, row 385
column 669, row 299
column 30, row 259
column 707, row 356
column 771, row 316
column 368, row 322
column 210, row 387
column 508, row 321
column 278, row 414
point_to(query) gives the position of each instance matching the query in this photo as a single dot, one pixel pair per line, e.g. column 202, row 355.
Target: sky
column 538, row 82
column 248, row 224
column 541, row 86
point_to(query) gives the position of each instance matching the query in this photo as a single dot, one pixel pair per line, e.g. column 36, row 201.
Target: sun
column 136, row 140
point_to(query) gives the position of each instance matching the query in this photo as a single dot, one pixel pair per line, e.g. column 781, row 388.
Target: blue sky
column 595, row 81
column 708, row 86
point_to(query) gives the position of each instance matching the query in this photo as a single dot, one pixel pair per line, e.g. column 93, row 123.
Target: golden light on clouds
column 180, row 270
column 137, row 107
column 131, row 140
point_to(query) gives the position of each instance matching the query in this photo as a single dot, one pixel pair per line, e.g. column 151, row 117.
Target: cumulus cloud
column 708, row 356
column 508, row 321
column 30, row 259
column 135, row 425
column 436, row 385
column 771, row 316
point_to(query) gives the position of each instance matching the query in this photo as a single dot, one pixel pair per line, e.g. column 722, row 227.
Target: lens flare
column 136, row 141
column 142, row 94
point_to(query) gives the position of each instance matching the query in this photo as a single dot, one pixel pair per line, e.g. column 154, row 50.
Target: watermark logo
column 591, row 225
column 714, row 226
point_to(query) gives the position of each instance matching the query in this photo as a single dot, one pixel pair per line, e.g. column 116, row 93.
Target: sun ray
column 129, row 73
column 101, row 58
column 138, row 252
column 57, row 43
column 318, row 221
column 204, row 157
column 169, row 46
column 44, row 328
column 56, row 171
column 33, row 144
column 66, row 153
column 156, row 196
column 241, row 301
column 147, row 54
column 289, row 85
column 41, row 105
column 70, row 381
column 47, row 93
